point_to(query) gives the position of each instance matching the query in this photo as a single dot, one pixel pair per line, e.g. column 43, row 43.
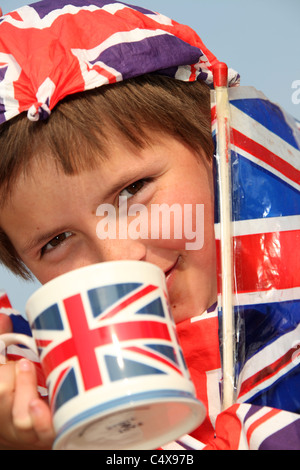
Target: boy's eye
column 56, row 241
column 134, row 188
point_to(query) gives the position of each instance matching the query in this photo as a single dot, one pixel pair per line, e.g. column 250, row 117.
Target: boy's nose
column 113, row 250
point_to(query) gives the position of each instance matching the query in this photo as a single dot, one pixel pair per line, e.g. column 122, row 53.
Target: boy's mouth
column 170, row 272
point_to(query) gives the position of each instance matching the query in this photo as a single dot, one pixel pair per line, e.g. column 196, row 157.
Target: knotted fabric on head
column 54, row 48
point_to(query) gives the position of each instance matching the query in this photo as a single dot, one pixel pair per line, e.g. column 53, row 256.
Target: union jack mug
column 114, row 369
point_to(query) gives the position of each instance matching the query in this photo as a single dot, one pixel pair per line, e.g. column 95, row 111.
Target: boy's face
column 52, row 218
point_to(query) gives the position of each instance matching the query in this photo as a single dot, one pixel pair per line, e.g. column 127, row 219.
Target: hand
column 6, row 325
column 1, row 13
column 25, row 418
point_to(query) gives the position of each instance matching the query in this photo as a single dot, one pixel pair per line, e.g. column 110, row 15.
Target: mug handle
column 17, row 338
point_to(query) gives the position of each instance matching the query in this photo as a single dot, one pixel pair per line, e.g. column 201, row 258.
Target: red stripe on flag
column 259, row 422
column 146, row 290
column 265, row 155
column 193, row 74
column 42, row 343
column 15, row 15
column 102, row 71
column 266, row 373
column 213, row 113
column 265, row 261
column 154, row 356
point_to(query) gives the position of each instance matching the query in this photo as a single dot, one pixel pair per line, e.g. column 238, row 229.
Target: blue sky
column 260, row 39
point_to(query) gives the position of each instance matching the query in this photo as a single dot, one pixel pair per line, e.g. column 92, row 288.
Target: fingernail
column 24, row 365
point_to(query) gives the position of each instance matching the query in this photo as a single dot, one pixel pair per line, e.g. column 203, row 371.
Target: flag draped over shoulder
column 242, row 426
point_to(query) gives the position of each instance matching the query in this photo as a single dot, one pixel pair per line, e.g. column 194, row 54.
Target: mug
column 114, row 368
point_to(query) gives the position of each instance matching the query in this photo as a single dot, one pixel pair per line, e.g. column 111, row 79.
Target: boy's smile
column 51, row 217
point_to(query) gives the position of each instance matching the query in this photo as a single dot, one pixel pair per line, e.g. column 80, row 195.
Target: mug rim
column 91, row 267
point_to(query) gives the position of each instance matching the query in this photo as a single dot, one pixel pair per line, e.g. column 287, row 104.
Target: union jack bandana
column 54, row 48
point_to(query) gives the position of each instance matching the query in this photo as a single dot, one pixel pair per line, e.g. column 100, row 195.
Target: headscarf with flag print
column 47, row 51
column 61, row 56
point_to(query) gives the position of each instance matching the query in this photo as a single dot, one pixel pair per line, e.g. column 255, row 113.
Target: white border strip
column 264, row 225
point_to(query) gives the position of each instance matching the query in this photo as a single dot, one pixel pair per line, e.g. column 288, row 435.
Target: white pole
column 223, row 158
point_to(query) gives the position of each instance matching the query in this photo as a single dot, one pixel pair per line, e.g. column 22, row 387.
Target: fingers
column 31, row 416
column 25, row 392
column 42, row 421
column 25, row 418
column 5, row 323
column 7, row 386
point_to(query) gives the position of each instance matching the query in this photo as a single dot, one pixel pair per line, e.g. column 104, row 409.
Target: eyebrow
column 124, row 181
column 41, row 239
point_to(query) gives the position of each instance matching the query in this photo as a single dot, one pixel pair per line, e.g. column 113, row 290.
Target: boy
column 134, row 133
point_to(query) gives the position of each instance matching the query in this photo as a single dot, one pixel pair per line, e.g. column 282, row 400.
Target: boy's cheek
column 171, row 225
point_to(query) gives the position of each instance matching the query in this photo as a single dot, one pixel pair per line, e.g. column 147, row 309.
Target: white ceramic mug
column 114, row 368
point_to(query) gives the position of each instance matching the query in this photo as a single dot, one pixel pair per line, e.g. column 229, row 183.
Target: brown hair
column 79, row 131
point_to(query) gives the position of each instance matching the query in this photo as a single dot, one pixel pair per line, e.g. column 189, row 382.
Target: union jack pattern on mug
column 72, row 333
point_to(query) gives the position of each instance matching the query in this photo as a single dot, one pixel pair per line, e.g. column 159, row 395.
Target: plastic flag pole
column 220, row 73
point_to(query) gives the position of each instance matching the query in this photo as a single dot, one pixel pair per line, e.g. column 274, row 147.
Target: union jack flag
column 265, row 169
column 75, row 332
column 243, row 426
column 266, row 415
column 121, row 41
column 265, row 172
column 16, row 352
